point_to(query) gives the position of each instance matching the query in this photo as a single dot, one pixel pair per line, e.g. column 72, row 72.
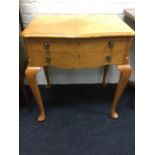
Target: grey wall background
column 30, row 8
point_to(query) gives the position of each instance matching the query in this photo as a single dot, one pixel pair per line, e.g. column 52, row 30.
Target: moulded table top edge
column 76, row 26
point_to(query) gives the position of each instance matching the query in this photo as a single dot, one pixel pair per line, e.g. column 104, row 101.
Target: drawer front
column 77, row 53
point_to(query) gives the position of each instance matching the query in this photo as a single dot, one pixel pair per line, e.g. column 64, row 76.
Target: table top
column 76, row 26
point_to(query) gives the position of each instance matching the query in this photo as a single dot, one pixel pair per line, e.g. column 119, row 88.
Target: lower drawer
column 77, row 60
column 84, row 60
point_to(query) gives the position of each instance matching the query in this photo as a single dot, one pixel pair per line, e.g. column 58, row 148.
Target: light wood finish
column 125, row 72
column 31, row 77
column 45, row 68
column 77, row 41
column 106, row 68
column 74, row 53
column 77, row 26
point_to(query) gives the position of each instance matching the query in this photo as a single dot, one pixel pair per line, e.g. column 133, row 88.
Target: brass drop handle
column 110, row 44
column 47, row 52
column 46, row 45
column 108, row 58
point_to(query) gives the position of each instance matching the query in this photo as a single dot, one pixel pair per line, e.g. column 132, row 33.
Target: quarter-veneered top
column 76, row 26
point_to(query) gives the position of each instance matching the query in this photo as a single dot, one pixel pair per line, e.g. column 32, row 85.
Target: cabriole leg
column 125, row 72
column 45, row 68
column 31, row 77
column 106, row 68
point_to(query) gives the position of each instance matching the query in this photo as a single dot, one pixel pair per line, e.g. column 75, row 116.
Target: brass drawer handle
column 47, row 52
column 108, row 58
column 46, row 45
column 110, row 44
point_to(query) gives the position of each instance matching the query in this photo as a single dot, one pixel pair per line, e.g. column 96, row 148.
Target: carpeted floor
column 78, row 122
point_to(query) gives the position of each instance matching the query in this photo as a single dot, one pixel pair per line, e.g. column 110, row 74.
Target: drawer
column 77, row 53
column 78, row 60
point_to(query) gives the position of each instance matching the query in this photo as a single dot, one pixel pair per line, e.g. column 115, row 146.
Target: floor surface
column 78, row 122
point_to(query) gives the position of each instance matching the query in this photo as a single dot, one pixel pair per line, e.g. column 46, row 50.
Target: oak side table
column 77, row 41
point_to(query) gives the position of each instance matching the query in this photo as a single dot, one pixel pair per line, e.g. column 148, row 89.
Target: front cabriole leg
column 125, row 72
column 31, row 77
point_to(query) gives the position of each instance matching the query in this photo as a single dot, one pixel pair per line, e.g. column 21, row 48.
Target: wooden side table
column 77, row 41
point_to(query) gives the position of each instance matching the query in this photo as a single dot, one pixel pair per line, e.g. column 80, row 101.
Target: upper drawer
column 79, row 45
